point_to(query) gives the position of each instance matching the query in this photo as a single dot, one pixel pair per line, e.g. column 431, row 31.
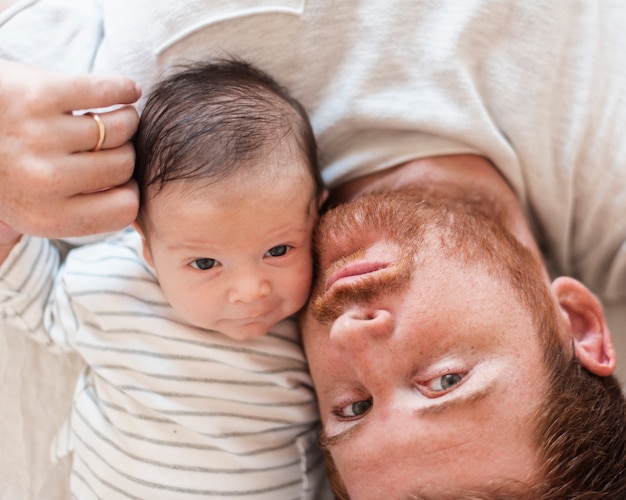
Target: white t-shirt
column 535, row 86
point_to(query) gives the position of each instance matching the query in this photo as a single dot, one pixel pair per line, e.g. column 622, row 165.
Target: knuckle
column 31, row 100
column 128, row 211
column 38, row 141
column 41, row 177
column 35, row 99
column 133, row 119
column 127, row 159
column 116, row 164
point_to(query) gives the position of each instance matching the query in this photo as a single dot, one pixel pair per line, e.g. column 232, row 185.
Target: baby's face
column 234, row 256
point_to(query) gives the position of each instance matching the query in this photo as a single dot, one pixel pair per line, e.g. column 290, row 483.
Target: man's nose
column 357, row 331
column 248, row 289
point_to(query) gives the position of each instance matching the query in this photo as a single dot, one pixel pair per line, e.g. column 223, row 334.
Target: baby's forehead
column 248, row 188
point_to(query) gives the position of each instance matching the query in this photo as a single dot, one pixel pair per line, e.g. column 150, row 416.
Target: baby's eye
column 278, row 251
column 444, row 383
column 355, row 409
column 204, row 264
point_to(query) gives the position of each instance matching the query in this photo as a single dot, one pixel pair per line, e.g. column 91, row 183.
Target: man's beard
column 462, row 225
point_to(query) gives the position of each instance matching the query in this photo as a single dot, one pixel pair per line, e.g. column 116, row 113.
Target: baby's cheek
column 304, row 290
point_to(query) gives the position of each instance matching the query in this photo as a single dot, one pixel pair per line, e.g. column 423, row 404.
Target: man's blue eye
column 361, row 407
column 204, row 264
column 278, row 251
column 444, row 382
column 355, row 409
column 450, row 380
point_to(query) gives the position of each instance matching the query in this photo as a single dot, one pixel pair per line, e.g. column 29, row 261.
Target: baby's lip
column 354, row 271
column 256, row 316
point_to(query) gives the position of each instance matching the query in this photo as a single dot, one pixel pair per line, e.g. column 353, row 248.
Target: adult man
column 445, row 363
column 534, row 86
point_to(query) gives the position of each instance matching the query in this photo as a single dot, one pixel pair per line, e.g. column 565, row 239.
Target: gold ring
column 101, row 131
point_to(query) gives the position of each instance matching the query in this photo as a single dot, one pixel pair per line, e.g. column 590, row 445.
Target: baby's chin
column 249, row 331
column 249, row 328
column 245, row 329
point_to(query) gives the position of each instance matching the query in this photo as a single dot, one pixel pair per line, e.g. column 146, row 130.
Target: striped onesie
column 163, row 410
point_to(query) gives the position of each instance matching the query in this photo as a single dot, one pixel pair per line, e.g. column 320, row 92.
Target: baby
column 195, row 384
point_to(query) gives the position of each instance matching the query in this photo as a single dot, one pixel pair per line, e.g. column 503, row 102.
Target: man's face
column 427, row 367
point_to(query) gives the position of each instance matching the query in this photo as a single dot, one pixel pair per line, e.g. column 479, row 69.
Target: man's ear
column 587, row 324
column 146, row 250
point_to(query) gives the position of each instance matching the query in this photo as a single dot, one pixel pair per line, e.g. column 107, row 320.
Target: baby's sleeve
column 28, row 302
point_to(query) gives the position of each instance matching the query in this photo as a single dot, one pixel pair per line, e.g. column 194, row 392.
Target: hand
column 51, row 183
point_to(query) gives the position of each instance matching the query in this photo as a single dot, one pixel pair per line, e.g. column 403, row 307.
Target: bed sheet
column 35, row 396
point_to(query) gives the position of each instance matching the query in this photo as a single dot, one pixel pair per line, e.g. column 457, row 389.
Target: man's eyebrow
column 327, row 442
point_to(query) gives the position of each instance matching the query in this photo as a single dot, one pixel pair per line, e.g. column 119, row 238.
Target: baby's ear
column 146, row 249
column 322, row 199
column 587, row 326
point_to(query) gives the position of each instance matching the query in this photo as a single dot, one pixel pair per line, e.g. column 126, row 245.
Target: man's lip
column 353, row 271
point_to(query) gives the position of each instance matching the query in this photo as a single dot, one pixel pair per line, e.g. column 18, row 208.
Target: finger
column 89, row 172
column 94, row 213
column 50, row 93
column 104, row 211
column 94, row 91
column 118, row 128
column 67, row 133
column 83, row 214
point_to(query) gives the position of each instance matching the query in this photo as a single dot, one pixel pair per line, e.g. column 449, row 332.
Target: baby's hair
column 208, row 120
